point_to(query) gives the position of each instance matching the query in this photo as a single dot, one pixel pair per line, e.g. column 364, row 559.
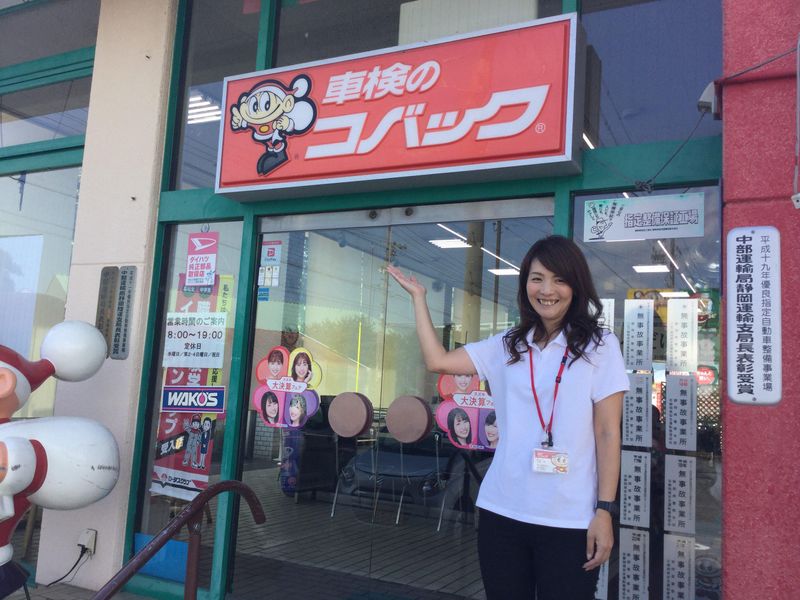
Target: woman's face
column 295, row 413
column 549, row 295
column 272, row 408
column 492, row 434
column 462, row 382
column 461, row 427
column 301, row 368
column 275, row 368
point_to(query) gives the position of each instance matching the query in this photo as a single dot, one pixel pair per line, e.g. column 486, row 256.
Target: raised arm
column 437, row 359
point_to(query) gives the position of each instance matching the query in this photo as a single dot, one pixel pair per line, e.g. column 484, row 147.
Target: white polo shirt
column 511, row 487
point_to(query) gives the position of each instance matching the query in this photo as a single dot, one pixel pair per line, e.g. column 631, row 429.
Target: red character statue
column 54, row 462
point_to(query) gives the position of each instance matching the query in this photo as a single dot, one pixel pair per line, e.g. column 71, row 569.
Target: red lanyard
column 548, row 429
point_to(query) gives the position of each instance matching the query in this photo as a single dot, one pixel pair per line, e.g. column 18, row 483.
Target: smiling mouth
column 547, row 302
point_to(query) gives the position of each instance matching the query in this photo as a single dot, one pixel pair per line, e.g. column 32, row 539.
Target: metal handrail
column 191, row 515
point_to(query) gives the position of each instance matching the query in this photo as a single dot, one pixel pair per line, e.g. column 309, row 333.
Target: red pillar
column 761, row 444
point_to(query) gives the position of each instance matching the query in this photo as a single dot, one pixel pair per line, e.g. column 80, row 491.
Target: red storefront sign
column 492, row 105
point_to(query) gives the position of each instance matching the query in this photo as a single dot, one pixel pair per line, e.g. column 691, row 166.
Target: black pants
column 520, row 561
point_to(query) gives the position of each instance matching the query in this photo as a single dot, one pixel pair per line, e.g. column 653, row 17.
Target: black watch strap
column 609, row 507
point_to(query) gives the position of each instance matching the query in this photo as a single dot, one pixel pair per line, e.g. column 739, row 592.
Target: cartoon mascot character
column 54, row 462
column 272, row 112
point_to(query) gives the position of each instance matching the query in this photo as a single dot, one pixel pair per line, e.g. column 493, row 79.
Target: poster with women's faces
column 467, row 413
column 287, row 395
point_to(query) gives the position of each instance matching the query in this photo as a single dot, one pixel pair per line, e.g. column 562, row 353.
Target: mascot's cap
column 196, row 417
column 35, row 372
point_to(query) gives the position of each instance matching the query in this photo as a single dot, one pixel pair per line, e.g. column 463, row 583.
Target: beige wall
column 115, row 225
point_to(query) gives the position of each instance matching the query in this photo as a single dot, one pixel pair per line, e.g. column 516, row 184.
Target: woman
column 270, row 408
column 546, row 501
column 297, row 410
column 459, row 426
column 490, row 429
column 275, row 364
column 301, row 367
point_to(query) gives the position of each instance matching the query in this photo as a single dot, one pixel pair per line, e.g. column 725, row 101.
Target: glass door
column 373, row 509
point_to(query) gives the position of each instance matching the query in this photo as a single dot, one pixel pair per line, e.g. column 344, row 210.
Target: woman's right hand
column 408, row 282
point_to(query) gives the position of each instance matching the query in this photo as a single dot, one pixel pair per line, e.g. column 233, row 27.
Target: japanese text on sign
column 637, row 424
column 195, row 340
column 635, row 487
column 634, row 561
column 681, row 412
column 638, row 345
column 679, row 494
column 754, row 315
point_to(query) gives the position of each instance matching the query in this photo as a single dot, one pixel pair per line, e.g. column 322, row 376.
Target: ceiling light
column 674, row 294
column 588, row 141
column 202, row 119
column 626, row 195
column 504, row 271
column 651, row 268
column 450, row 243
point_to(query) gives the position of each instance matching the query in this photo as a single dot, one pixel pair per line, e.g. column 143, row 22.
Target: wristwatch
column 610, row 507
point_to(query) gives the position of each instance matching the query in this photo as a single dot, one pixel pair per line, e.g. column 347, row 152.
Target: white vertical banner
column 634, row 562
column 638, row 350
column 606, row 318
column 753, row 257
column 679, row 493
column 681, row 404
column 601, row 590
column 678, row 567
column 682, row 334
column 637, row 409
column 635, row 489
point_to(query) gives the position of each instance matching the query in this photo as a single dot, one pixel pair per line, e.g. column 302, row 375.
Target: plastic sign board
column 753, row 259
column 645, row 218
column 489, row 105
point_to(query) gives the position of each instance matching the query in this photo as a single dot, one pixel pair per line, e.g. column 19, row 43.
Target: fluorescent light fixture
column 451, row 243
column 651, row 268
column 694, row 291
column 669, row 256
column 198, row 103
column 630, row 240
column 504, row 271
column 626, row 195
column 674, row 294
column 588, row 141
column 203, row 119
column 500, row 258
column 203, row 110
column 455, row 233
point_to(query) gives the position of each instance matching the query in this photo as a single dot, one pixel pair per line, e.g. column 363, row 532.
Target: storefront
column 259, row 305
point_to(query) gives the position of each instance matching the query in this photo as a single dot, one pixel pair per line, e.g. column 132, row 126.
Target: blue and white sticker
column 193, row 399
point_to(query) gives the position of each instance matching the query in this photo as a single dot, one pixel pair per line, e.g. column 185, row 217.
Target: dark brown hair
column 563, row 257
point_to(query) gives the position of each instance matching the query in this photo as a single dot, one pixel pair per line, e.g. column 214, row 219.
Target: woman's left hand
column 599, row 540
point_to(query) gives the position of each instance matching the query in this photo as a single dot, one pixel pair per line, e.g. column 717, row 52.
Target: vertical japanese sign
column 681, row 412
column 678, row 567
column 193, row 401
column 606, row 318
column 679, row 494
column 637, row 411
column 639, row 334
column 201, row 259
column 753, row 258
column 456, row 109
column 634, row 562
column 682, row 334
column 635, row 489
column 601, row 589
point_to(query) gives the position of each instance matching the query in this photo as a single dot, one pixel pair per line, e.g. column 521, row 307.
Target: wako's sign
column 183, row 398
column 492, row 105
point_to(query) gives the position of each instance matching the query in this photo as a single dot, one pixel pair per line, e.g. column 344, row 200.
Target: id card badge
column 550, row 460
